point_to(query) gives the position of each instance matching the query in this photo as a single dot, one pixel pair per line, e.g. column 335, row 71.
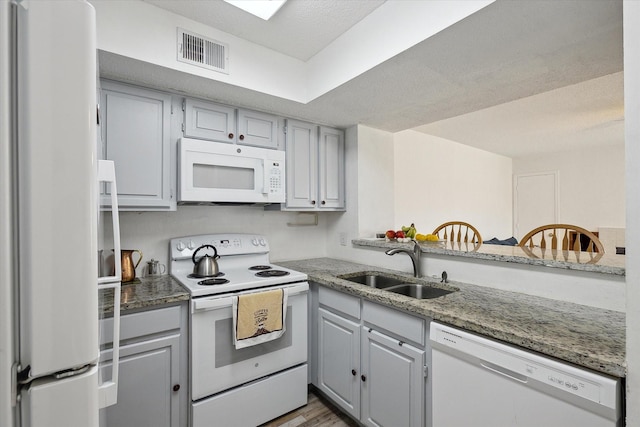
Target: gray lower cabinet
column 393, row 381
column 152, row 381
column 339, row 360
column 371, row 360
column 136, row 134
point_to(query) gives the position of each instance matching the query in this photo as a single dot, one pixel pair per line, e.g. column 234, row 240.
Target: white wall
column 369, row 190
column 591, row 184
column 631, row 23
column 438, row 180
column 593, row 289
column 376, row 178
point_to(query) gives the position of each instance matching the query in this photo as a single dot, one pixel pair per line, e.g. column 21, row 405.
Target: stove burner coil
column 272, row 273
column 260, row 267
column 200, row 276
column 209, row 282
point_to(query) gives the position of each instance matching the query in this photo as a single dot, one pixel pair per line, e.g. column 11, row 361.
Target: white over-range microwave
column 215, row 172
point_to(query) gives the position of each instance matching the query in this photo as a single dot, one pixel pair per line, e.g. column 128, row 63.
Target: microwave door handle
column 265, row 175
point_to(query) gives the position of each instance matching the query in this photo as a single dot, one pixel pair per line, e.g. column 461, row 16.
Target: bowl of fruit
column 406, row 234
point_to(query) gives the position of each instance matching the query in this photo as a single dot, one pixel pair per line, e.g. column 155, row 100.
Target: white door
column 535, row 200
column 67, row 402
column 57, row 186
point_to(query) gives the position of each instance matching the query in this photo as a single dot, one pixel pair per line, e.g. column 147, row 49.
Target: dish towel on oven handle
column 259, row 317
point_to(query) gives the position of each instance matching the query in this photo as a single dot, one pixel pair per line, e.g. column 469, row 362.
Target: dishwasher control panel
column 569, row 383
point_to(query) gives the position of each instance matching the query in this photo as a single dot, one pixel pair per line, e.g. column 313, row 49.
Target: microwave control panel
column 276, row 177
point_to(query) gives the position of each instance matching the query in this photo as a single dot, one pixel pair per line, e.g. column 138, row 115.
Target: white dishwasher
column 479, row 382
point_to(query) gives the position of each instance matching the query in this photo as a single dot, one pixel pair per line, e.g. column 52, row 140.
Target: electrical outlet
column 343, row 238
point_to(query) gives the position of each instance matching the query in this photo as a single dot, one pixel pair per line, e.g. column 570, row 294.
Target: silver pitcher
column 154, row 268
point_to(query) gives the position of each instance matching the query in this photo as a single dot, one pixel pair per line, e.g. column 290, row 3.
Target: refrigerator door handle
column 107, row 173
column 108, row 391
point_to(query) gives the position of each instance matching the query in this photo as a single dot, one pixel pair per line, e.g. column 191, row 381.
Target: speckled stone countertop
column 148, row 293
column 586, row 336
column 568, row 260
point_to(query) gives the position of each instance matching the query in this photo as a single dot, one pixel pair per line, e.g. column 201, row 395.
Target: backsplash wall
column 150, row 232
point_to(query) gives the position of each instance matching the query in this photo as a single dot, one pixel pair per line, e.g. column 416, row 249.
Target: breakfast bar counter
column 569, row 260
column 586, row 336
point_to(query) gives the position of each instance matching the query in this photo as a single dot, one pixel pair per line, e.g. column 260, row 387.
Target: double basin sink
column 399, row 286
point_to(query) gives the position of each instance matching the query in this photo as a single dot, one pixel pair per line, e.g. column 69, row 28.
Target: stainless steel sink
column 418, row 291
column 396, row 285
column 375, row 280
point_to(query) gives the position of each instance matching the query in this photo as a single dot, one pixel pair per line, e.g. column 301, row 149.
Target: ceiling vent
column 197, row 50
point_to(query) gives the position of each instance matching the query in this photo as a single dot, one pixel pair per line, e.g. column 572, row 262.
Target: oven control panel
column 225, row 244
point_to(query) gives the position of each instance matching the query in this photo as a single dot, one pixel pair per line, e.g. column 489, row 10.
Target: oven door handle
column 210, row 304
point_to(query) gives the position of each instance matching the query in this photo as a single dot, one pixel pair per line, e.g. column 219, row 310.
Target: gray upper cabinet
column 301, row 165
column 315, row 167
column 257, row 129
column 331, row 168
column 206, row 120
column 216, row 122
column 136, row 135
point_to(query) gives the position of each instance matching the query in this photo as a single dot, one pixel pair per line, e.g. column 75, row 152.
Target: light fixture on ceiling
column 264, row 9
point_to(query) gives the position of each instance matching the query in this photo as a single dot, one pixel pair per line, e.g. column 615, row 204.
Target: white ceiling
column 492, row 80
column 588, row 114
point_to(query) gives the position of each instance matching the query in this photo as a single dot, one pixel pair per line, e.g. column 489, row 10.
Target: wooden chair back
column 566, row 237
column 458, row 231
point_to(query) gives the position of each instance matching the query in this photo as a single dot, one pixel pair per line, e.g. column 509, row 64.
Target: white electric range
column 245, row 386
column 243, row 264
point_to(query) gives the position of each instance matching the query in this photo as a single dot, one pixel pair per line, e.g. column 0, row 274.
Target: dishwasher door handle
column 505, row 372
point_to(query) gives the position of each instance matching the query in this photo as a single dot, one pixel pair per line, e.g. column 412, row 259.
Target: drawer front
column 401, row 324
column 231, row 409
column 141, row 324
column 339, row 302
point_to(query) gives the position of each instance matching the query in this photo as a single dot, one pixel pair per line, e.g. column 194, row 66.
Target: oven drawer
column 255, row 403
column 216, row 364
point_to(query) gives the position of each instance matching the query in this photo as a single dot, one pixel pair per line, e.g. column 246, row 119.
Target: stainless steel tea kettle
column 207, row 265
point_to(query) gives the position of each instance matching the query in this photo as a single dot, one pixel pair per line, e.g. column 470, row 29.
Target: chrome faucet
column 414, row 254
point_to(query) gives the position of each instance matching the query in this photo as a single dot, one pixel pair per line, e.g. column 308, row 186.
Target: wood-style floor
column 318, row 412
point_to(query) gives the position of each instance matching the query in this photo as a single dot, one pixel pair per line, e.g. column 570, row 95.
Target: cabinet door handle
column 241, row 137
column 176, row 387
column 353, row 372
column 400, row 343
column 363, row 378
column 230, row 136
column 313, row 202
column 324, row 202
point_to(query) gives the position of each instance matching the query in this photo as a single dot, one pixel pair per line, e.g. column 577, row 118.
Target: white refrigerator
column 49, row 218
